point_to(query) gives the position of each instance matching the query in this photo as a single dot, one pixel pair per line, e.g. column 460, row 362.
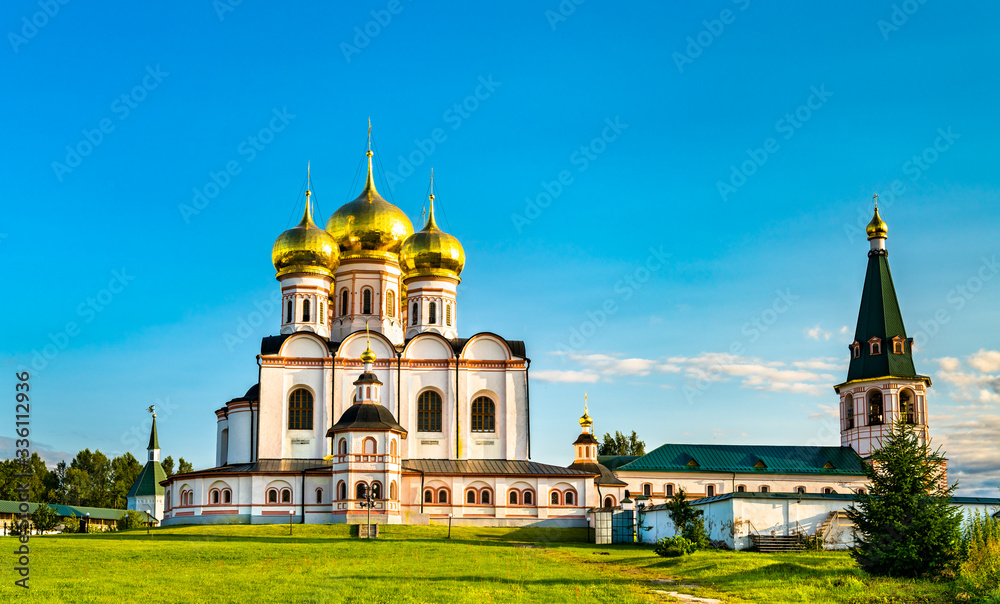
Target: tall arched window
column 342, row 447
column 443, row 496
column 390, row 303
column 848, row 412
column 512, row 497
column 288, row 313
column 668, row 490
column 368, row 446
column 415, row 313
column 710, row 490
column 485, row 497
column 528, row 498
column 319, row 495
column 906, row 407
column 432, row 313
column 322, row 313
column 428, row 496
column 392, row 448
column 569, row 498
column 366, row 302
column 609, row 502
column 342, row 491
column 447, row 315
column 215, row 496
column 647, row 489
column 343, row 303
column 392, row 490
column 554, row 498
column 272, row 496
column 429, row 412
column 483, row 415
column 360, row 491
column 300, row 410
column 286, row 496
column 377, row 490
column 470, row 496
column 305, row 311
column 875, row 408
column 227, row 496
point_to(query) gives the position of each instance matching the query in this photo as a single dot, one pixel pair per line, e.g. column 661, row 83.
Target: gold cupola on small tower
column 431, row 252
column 877, row 229
column 305, row 248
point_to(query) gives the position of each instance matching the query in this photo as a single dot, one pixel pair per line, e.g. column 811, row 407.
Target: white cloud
column 949, row 363
column 567, row 377
column 817, row 333
column 821, row 364
column 987, row 361
column 844, row 330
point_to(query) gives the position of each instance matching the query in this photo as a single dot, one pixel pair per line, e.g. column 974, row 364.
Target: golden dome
column 368, row 357
column 369, row 226
column 431, row 252
column 585, row 421
column 305, row 248
column 876, row 228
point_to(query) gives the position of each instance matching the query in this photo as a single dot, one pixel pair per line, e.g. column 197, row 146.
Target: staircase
column 769, row 544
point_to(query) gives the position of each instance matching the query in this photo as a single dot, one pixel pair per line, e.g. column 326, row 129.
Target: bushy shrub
column 44, row 518
column 71, row 524
column 131, row 519
column 694, row 531
column 674, row 547
column 979, row 569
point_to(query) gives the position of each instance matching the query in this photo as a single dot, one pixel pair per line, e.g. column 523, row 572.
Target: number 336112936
column 23, row 413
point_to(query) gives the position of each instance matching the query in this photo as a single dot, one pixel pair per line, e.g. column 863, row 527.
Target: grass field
column 322, row 563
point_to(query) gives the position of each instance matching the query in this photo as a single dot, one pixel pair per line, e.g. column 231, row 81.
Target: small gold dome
column 876, row 228
column 368, row 356
column 585, row 421
column 431, row 252
column 305, row 248
column 369, row 226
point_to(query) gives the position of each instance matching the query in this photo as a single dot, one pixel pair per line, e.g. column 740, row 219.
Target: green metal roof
column 154, row 442
column 13, row 507
column 798, row 496
column 750, row 459
column 148, row 481
column 880, row 317
column 613, row 462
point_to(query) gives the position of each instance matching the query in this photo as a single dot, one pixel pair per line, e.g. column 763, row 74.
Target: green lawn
column 417, row 564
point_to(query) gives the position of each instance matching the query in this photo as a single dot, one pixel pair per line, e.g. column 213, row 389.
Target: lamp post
column 449, row 525
column 290, row 514
column 86, row 522
column 149, row 521
column 369, row 502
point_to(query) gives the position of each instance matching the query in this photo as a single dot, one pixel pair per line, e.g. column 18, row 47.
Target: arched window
column 392, row 491
column 669, row 490
column 483, row 415
column 215, row 496
column 554, row 498
column 392, row 448
column 447, row 315
column 741, row 488
column 800, row 490
column 429, row 412
column 288, row 313
column 166, row 500
column 360, row 490
column 828, row 490
column 343, row 303
column 765, row 489
column 322, row 313
column 432, row 313
column 415, row 313
column 305, row 311
column 368, row 393
column 512, row 498
column 366, row 302
column 875, row 408
column 647, row 489
column 897, row 345
column 848, row 412
column 319, row 495
column 286, row 496
column 485, row 497
column 710, row 490
column 428, row 496
column 569, row 498
column 342, row 490
column 906, row 407
column 300, row 410
column 377, row 490
column 861, row 490
column 609, row 502
column 342, row 447
column 272, row 496
column 369, row 446
column 443, row 496
column 470, row 496
column 856, row 350
column 390, row 303
column 875, row 346
column 528, row 498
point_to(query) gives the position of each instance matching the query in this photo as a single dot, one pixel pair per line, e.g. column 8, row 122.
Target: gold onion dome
column 876, row 228
column 305, row 248
column 431, row 252
column 368, row 357
column 369, row 226
column 585, row 421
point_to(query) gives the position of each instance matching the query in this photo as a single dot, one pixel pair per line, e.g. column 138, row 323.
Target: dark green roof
column 613, row 462
column 13, row 507
column 148, row 481
column 154, row 442
column 798, row 496
column 750, row 459
column 880, row 317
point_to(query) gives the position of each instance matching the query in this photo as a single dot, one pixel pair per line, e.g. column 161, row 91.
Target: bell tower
column 882, row 384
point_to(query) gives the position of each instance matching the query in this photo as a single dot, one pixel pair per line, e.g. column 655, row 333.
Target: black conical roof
column 366, row 417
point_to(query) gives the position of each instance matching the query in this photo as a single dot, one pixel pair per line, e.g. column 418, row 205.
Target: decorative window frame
column 875, row 346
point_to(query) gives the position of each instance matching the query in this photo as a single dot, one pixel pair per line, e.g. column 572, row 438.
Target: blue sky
column 665, row 202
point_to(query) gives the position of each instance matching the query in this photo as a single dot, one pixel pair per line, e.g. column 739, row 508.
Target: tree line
column 91, row 479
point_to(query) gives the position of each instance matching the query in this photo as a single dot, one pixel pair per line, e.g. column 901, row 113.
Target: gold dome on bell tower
column 369, row 227
column 585, row 421
column 877, row 229
column 305, row 248
column 431, row 252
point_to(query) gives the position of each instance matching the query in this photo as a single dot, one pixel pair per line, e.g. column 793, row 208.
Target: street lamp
column 290, row 514
column 449, row 525
column 149, row 521
column 86, row 522
column 369, row 502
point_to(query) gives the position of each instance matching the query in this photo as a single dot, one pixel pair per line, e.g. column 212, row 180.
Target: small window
column 322, row 313
column 288, row 313
column 470, row 496
column 342, row 491
column 319, row 495
column 286, row 496
column 272, row 496
column 800, row 490
column 861, row 490
column 366, row 302
column 647, row 489
column 710, row 490
column 897, row 345
column 765, row 489
column 428, row 496
column 669, row 490
column 741, row 488
column 609, row 502
column 360, row 491
column 415, row 313
column 305, row 311
column 342, row 447
column 856, row 350
column 827, row 491
column 875, row 346
column 484, row 497
column 447, row 314
column 906, row 407
column 570, row 498
column 512, row 498
column 849, row 412
column 227, row 496
column 343, row 303
column 443, row 496
column 528, row 498
column 554, row 498
column 432, row 313
column 483, row 415
column 875, row 408
column 369, row 446
column 392, row 448
column 215, row 496
column 390, row 303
